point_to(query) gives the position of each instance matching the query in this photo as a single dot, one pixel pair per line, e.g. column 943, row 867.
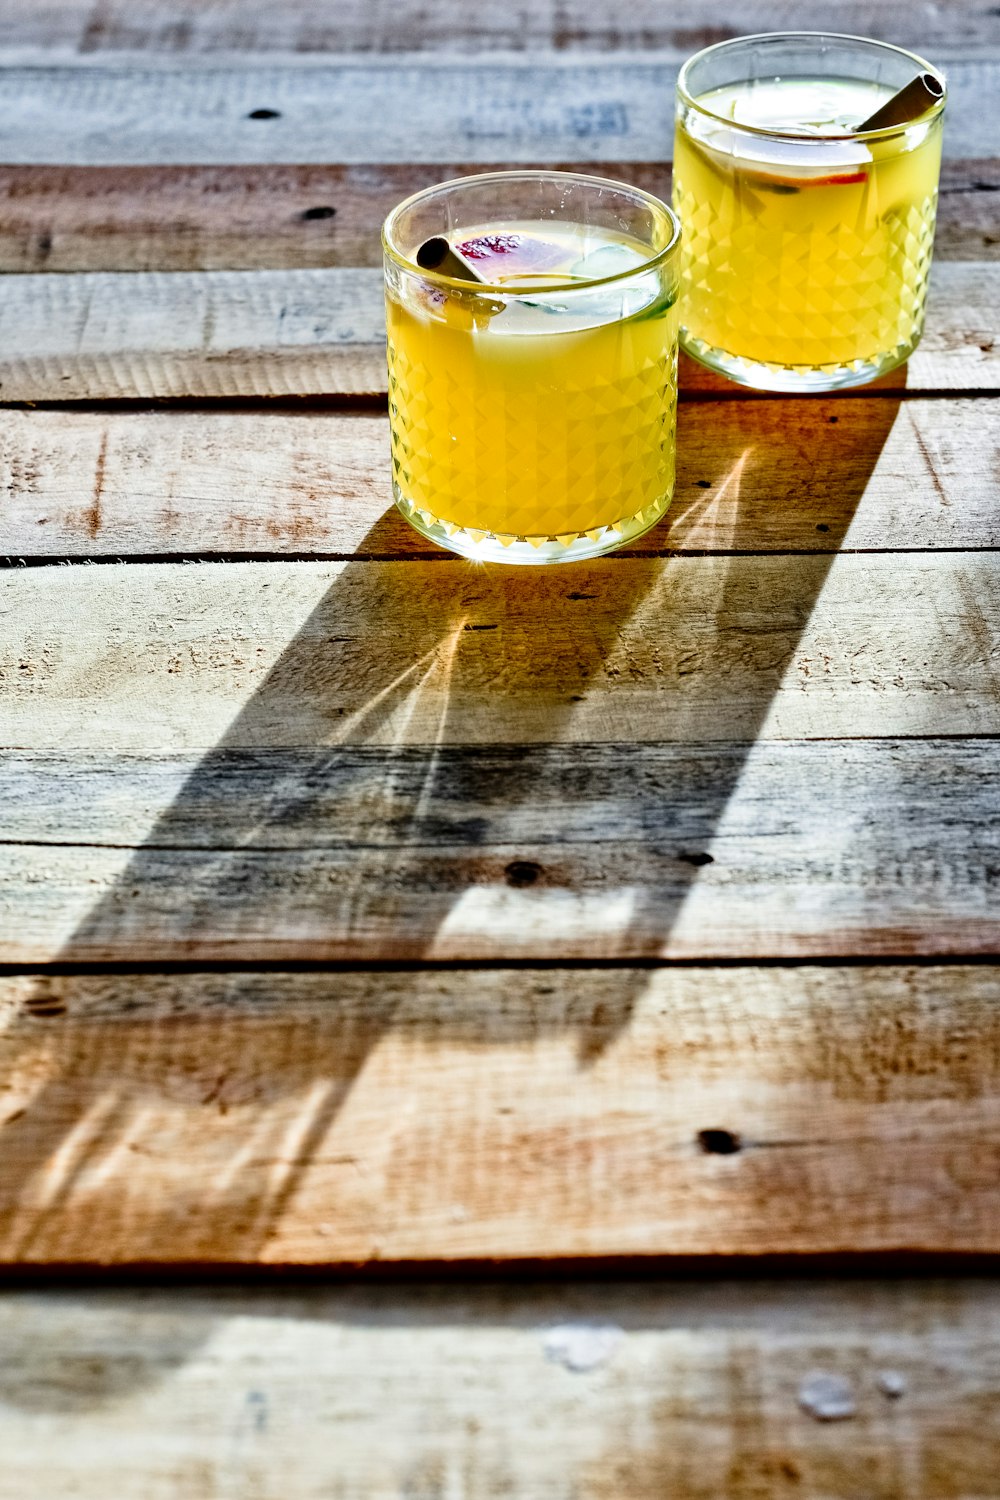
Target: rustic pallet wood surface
column 360, row 907
column 914, row 475
column 116, row 335
column 596, row 1391
column 476, row 1115
column 261, row 217
column 187, row 28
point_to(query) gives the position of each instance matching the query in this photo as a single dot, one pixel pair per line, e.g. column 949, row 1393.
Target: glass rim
column 770, row 132
column 455, row 283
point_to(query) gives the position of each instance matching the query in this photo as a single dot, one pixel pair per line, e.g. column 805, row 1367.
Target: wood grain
column 619, row 851
column 210, row 334
column 650, row 649
column 140, row 335
column 323, row 1118
column 422, row 109
column 920, row 474
column 183, row 218
column 422, row 1391
column 186, row 27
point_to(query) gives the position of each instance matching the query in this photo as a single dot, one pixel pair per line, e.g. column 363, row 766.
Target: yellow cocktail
column 532, row 412
column 807, row 243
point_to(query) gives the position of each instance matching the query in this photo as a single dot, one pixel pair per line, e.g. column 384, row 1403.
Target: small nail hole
column 264, row 114
column 522, row 872
column 697, row 859
column 719, row 1142
column 43, row 1007
column 323, row 211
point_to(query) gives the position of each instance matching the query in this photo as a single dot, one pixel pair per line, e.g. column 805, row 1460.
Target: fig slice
column 511, row 253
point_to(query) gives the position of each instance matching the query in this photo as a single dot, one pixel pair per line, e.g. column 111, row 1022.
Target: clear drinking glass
column 807, row 241
column 532, row 412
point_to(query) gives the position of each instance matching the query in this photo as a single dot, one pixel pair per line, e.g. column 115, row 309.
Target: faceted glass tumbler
column 806, row 250
column 532, row 416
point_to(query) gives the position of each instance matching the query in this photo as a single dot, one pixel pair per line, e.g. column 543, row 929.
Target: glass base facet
column 533, row 551
column 794, row 379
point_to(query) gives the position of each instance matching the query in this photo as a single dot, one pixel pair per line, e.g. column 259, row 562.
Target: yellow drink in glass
column 807, row 242
column 533, row 415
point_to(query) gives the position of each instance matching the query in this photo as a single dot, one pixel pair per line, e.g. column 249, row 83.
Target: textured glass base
column 761, row 376
column 489, row 546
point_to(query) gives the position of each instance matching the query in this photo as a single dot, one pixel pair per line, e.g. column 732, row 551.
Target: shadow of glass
column 447, row 763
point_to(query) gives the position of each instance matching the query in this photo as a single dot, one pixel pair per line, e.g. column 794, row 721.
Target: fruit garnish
column 486, row 245
column 841, row 177
column 765, row 182
column 510, row 253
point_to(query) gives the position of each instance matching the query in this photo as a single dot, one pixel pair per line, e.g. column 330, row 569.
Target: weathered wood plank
column 690, row 1391
column 107, row 335
column 967, row 225
column 304, row 26
column 681, row 649
column 354, row 110
column 920, row 474
column 183, row 218
column 617, row 851
column 328, row 1118
column 219, row 333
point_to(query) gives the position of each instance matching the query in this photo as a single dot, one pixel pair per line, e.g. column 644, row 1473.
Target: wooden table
column 588, row 975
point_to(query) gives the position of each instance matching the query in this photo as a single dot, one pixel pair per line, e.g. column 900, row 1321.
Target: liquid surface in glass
column 811, row 252
column 545, row 416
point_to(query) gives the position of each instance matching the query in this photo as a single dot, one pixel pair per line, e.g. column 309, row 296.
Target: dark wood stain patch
column 94, row 512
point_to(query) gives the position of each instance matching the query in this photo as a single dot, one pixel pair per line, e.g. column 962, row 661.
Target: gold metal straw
column 909, row 104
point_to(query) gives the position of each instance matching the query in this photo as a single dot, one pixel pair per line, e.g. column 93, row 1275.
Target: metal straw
column 437, row 255
column 909, row 104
